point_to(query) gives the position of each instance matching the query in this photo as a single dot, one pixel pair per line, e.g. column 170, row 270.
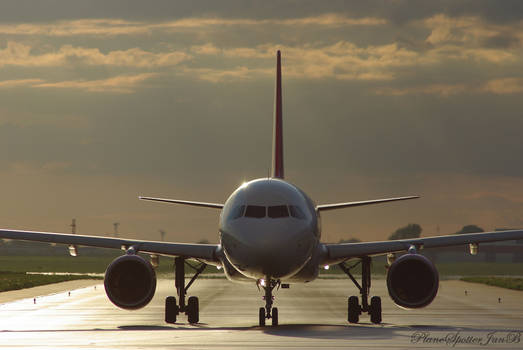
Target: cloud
column 451, row 40
column 342, row 60
column 18, row 54
column 504, row 86
column 444, row 90
column 123, row 84
column 19, row 83
column 224, row 75
column 325, row 20
column 114, row 27
column 119, row 84
column 96, row 27
column 471, row 30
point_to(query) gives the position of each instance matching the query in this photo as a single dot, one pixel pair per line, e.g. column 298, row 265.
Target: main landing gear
column 354, row 309
column 191, row 309
column 268, row 312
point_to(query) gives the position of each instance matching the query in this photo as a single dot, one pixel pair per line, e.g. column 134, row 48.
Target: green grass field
column 98, row 264
column 503, row 282
column 450, row 269
column 19, row 280
column 78, row 264
column 18, row 265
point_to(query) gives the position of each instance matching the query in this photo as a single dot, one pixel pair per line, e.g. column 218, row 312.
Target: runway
column 312, row 316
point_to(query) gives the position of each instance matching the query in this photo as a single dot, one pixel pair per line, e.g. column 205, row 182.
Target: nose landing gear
column 268, row 312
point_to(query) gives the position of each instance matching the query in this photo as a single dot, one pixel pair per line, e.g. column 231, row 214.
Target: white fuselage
column 269, row 229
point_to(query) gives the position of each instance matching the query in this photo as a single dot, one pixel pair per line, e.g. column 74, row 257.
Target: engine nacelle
column 130, row 282
column 412, row 281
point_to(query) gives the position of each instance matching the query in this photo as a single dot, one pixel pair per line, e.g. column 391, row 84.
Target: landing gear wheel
column 274, row 316
column 171, row 310
column 375, row 310
column 261, row 315
column 353, row 310
column 193, row 310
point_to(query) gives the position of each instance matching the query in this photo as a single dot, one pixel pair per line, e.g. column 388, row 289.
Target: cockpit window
column 296, row 212
column 255, row 211
column 278, row 211
column 237, row 212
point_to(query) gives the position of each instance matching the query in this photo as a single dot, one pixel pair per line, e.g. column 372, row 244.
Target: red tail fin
column 277, row 141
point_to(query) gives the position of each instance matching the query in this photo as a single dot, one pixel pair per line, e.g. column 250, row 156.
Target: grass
column 18, row 265
column 20, row 280
column 448, row 269
column 78, row 264
column 98, row 264
column 503, row 282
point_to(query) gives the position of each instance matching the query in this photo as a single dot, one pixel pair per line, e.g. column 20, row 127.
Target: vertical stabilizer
column 277, row 141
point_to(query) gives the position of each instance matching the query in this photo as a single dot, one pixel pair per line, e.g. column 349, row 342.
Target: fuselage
column 269, row 228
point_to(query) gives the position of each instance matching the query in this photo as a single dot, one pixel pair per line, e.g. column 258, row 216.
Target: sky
column 102, row 101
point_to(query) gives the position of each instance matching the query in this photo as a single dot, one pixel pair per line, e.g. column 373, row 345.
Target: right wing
column 323, row 207
column 345, row 251
column 208, row 252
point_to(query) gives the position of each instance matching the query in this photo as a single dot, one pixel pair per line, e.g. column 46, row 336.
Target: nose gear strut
column 268, row 312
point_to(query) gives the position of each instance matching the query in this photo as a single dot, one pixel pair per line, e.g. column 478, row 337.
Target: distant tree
column 350, row 240
column 470, row 229
column 409, row 231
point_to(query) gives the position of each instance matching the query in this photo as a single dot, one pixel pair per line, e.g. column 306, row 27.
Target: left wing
column 208, row 252
column 344, row 251
column 179, row 201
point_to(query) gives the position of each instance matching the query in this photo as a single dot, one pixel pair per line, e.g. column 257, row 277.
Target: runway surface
column 312, row 316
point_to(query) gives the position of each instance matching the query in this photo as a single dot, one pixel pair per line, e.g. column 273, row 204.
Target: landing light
column 474, row 248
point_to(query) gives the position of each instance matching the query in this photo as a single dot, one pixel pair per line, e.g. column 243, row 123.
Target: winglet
column 277, row 141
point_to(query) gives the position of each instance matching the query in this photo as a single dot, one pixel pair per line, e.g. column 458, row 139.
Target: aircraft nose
column 268, row 254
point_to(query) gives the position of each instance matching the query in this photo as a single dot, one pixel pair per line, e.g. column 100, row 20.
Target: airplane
column 270, row 235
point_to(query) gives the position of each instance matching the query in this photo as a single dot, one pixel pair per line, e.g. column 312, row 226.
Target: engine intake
column 130, row 282
column 412, row 281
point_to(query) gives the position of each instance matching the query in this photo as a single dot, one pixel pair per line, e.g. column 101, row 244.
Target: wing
column 344, row 251
column 359, row 203
column 178, row 201
column 208, row 252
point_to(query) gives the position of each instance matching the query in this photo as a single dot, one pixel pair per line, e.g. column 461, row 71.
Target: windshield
column 255, row 211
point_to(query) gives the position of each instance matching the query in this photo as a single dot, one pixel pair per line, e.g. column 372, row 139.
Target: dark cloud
column 399, row 11
column 502, row 41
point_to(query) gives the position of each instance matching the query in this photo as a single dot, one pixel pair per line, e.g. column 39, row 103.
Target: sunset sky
column 102, row 101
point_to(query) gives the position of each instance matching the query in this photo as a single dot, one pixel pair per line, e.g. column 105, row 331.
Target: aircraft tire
column 261, row 316
column 353, row 309
column 193, row 310
column 375, row 310
column 171, row 310
column 274, row 316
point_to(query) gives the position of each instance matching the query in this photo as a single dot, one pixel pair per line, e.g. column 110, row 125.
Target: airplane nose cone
column 268, row 254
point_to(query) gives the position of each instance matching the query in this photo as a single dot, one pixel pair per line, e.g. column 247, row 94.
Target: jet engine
column 412, row 281
column 130, row 282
